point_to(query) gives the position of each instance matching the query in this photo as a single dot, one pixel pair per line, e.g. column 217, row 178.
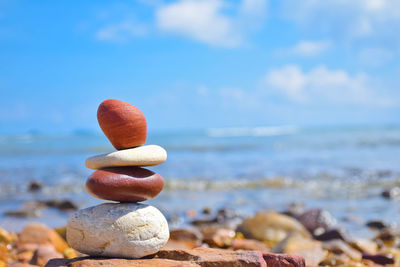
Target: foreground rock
column 341, row 247
column 123, row 124
column 36, row 244
column 249, row 244
column 208, row 257
column 218, row 237
column 92, row 262
column 226, row 218
column 128, row 230
column 309, row 249
column 272, row 227
column 41, row 235
column 391, row 193
column 379, row 258
column 317, row 221
column 139, row 156
column 333, row 234
column 185, row 238
column 43, row 254
column 124, row 184
column 283, row 260
column 205, row 257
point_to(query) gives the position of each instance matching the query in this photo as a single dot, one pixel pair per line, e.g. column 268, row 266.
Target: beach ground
column 311, row 234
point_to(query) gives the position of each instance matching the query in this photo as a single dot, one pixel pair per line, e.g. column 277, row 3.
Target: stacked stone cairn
column 123, row 228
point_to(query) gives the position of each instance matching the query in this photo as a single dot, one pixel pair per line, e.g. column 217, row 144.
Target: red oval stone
column 124, row 184
column 123, row 124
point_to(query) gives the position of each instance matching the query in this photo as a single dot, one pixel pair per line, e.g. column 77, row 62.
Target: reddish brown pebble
column 124, row 184
column 379, row 258
column 122, row 123
column 283, row 260
column 209, row 257
column 97, row 262
column 35, row 233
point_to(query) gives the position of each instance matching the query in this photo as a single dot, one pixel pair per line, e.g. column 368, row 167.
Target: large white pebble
column 139, row 156
column 128, row 230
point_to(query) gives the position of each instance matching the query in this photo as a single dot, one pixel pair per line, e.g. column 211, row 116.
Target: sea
column 343, row 170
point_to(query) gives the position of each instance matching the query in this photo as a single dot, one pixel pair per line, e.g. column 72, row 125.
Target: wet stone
column 206, row 211
column 34, row 186
column 378, row 225
column 317, row 221
column 333, row 234
column 23, row 213
column 63, row 205
column 379, row 258
column 391, row 193
column 224, row 218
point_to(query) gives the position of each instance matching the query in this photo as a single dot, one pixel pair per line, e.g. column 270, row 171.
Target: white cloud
column 344, row 18
column 206, row 20
column 367, row 27
column 322, row 85
column 251, row 15
column 121, row 32
column 308, row 48
column 214, row 22
column 200, row 20
column 317, row 86
column 289, row 79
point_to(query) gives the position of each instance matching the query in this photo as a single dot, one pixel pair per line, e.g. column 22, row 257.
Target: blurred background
column 260, row 104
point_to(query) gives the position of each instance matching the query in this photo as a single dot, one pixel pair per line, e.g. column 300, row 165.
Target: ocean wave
column 213, row 147
column 328, row 183
column 231, row 184
column 324, row 185
column 252, row 131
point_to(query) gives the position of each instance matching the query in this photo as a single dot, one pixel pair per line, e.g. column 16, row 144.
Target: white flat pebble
column 139, row 156
column 128, row 230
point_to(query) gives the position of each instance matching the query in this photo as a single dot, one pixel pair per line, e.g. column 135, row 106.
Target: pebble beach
column 225, row 238
column 199, row 133
column 330, row 193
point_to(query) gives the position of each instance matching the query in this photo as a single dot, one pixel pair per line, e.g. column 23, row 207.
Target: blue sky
column 196, row 64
